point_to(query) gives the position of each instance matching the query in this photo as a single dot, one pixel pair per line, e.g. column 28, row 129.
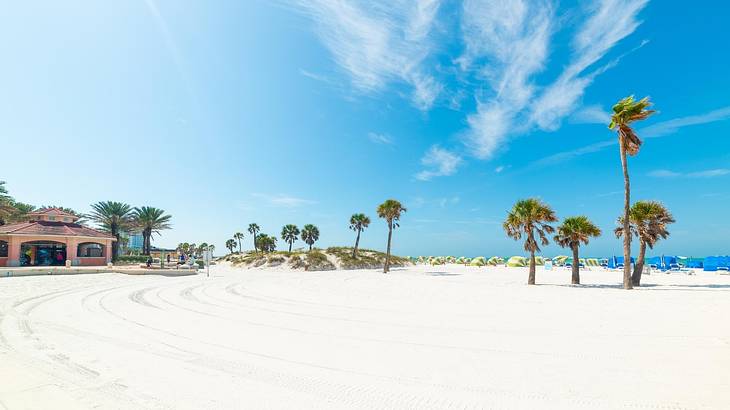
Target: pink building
column 50, row 237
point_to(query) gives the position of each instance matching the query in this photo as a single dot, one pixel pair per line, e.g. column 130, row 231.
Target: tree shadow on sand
column 442, row 274
column 651, row 287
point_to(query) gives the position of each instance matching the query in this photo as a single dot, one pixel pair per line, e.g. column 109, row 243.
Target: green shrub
column 318, row 261
column 296, row 262
column 131, row 259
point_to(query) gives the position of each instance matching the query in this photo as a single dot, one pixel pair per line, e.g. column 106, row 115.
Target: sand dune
column 446, row 337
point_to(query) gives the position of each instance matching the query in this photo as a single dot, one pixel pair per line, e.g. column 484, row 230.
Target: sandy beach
column 446, row 337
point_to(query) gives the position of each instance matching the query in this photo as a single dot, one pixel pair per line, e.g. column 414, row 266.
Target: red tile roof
column 52, row 211
column 52, row 228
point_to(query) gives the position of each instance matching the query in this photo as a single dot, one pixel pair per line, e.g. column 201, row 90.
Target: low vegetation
column 332, row 258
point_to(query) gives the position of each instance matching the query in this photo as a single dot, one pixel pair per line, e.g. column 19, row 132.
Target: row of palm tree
column 531, row 219
column 192, row 249
column 390, row 210
column 289, row 233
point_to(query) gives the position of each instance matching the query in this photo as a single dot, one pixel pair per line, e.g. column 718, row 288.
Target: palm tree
column 7, row 205
column 183, row 248
column 231, row 244
column 527, row 217
column 625, row 113
column 358, row 223
column 150, row 221
column 648, row 221
column 571, row 233
column 266, row 243
column 391, row 211
column 290, row 233
column 202, row 248
column 238, row 236
column 310, row 235
column 254, row 229
column 211, row 248
column 113, row 217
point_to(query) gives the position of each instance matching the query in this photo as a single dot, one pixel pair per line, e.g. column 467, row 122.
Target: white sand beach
column 447, row 337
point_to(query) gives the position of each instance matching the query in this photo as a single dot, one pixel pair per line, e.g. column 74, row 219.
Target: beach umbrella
column 478, row 261
column 495, row 260
column 516, row 262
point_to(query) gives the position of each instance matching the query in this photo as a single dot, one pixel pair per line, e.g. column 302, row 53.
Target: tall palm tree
column 648, row 221
column 528, row 217
column 238, row 236
column 231, row 244
column 571, row 233
column 625, row 113
column 290, row 233
column 112, row 217
column 211, row 248
column 254, row 229
column 310, row 235
column 358, row 223
column 150, row 221
column 391, row 211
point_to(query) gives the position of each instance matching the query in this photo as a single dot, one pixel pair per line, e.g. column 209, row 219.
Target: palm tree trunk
column 639, row 267
column 531, row 278
column 255, row 248
column 290, row 246
column 115, row 244
column 627, row 206
column 357, row 243
column 386, row 268
column 239, row 246
column 575, row 279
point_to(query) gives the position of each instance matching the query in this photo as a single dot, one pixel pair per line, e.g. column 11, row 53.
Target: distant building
column 135, row 242
column 131, row 242
column 51, row 237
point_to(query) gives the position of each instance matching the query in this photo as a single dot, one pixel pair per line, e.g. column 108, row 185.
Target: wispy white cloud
column 609, row 22
column 568, row 155
column 315, row 76
column 506, row 43
column 379, row 41
column 710, row 173
column 591, row 114
column 439, row 162
column 499, row 169
column 283, row 200
column 380, row 138
column 659, row 129
column 443, row 202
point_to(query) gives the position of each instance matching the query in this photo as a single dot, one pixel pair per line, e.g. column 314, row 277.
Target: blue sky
column 225, row 113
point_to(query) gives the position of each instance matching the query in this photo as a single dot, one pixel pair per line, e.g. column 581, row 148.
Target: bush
column 366, row 258
column 318, row 261
column 131, row 259
column 297, row 262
